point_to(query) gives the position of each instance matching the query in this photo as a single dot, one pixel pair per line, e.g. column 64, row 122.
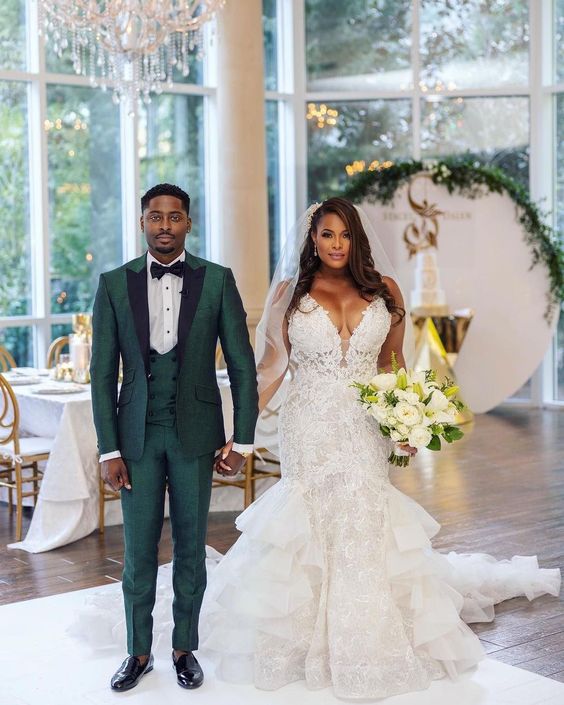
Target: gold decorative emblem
column 423, row 232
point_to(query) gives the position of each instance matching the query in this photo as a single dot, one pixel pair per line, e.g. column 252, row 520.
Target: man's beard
column 164, row 249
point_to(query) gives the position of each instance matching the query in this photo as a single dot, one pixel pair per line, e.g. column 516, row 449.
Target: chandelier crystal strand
column 130, row 46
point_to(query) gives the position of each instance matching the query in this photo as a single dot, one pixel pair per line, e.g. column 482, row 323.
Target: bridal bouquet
column 412, row 407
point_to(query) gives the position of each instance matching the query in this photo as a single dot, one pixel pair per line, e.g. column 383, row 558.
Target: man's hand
column 114, row 474
column 228, row 462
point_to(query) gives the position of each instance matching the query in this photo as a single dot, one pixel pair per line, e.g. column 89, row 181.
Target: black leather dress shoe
column 189, row 673
column 128, row 674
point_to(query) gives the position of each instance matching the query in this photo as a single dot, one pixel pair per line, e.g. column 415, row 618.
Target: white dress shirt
column 164, row 297
column 164, row 306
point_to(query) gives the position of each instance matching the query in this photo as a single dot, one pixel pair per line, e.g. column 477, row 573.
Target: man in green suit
column 163, row 313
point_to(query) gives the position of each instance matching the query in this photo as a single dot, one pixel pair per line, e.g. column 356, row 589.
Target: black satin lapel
column 191, row 292
column 137, row 292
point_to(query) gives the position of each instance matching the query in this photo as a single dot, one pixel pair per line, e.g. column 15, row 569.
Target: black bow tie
column 159, row 270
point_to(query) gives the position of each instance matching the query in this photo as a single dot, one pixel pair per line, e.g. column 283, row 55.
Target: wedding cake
column 427, row 298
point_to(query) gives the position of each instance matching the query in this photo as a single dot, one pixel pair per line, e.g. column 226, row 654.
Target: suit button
column 151, row 396
column 174, row 379
column 173, row 359
column 150, row 376
column 173, row 397
column 151, row 413
column 153, row 359
column 171, row 411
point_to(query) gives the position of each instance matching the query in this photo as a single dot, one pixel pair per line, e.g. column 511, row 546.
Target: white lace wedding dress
column 333, row 579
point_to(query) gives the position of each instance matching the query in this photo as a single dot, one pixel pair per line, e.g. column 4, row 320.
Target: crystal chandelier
column 132, row 46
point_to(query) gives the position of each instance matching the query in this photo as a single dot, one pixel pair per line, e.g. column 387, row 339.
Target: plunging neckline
column 355, row 329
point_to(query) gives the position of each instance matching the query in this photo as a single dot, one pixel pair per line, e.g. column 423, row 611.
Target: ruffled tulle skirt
column 302, row 595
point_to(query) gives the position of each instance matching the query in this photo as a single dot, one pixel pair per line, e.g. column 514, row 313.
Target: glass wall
column 15, row 252
column 83, row 149
column 365, row 48
column 64, row 145
column 358, row 45
column 171, row 148
column 558, row 349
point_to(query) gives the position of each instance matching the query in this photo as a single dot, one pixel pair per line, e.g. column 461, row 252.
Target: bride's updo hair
column 361, row 265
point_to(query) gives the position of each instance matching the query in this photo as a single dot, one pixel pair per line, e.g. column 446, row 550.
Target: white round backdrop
column 484, row 265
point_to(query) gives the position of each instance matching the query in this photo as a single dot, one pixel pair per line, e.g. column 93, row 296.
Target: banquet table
column 67, row 506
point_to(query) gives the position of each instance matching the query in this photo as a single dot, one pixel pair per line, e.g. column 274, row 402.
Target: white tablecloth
column 67, row 507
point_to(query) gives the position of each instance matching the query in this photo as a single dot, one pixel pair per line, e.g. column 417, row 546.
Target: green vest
column 163, row 375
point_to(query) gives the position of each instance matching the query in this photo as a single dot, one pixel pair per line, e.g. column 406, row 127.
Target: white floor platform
column 41, row 665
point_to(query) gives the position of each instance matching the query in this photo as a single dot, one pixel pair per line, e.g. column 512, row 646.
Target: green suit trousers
column 164, row 463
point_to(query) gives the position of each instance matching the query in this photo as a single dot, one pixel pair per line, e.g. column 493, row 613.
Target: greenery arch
column 473, row 180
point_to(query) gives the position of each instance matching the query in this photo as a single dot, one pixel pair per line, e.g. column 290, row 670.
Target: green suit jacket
column 211, row 308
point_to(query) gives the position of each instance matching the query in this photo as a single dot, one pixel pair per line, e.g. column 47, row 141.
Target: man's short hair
column 166, row 190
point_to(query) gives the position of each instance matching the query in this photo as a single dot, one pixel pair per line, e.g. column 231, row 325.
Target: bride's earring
column 314, row 250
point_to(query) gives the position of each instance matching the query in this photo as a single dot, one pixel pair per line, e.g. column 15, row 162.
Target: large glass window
column 559, row 41
column 558, row 350
column 359, row 44
column 84, row 193
column 473, row 44
column 346, row 137
column 273, row 180
column 13, row 54
column 171, row 148
column 18, row 340
column 270, row 32
column 496, row 130
column 15, row 250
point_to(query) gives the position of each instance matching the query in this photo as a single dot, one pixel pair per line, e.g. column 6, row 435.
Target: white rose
column 391, row 420
column 396, row 436
column 403, row 429
column 407, row 413
column 379, row 414
column 384, row 381
column 438, row 401
column 419, row 437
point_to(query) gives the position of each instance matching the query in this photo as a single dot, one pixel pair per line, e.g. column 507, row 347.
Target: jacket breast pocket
column 209, row 395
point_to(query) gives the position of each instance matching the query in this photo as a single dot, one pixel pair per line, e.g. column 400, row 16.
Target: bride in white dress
column 333, row 579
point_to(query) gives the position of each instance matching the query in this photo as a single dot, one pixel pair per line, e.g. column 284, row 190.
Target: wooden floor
column 499, row 490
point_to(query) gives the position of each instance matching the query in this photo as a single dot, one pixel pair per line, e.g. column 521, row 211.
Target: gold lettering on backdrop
column 422, row 233
column 395, row 216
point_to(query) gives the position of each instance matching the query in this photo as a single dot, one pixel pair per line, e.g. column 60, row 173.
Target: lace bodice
column 318, row 349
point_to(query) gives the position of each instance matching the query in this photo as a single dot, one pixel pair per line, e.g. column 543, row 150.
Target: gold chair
column 6, row 360
column 55, row 350
column 260, row 465
column 106, row 494
column 18, row 455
